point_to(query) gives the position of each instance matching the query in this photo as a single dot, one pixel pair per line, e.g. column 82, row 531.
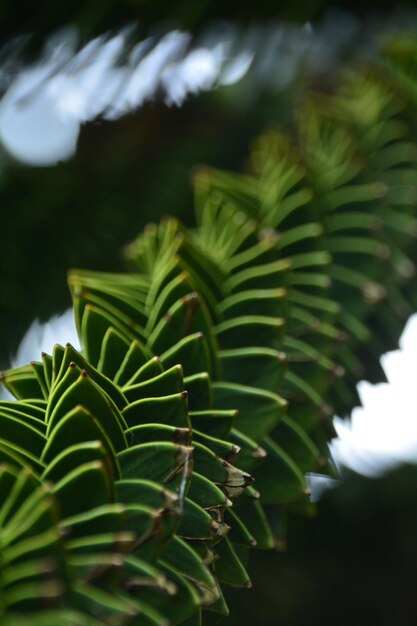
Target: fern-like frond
column 127, row 468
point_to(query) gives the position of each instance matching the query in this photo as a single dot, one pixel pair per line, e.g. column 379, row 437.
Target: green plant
column 126, row 470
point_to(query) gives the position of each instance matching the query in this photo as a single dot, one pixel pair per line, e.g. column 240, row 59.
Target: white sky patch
column 144, row 79
column 383, row 432
column 45, row 105
column 318, row 484
column 199, row 71
column 33, row 130
column 237, row 68
column 42, row 338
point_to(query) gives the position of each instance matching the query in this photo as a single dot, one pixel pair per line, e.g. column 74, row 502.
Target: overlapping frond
column 126, row 469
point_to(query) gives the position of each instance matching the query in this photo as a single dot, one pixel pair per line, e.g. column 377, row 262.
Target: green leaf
column 242, row 331
column 229, row 568
column 187, row 317
column 163, row 462
column 259, row 410
column 86, row 393
column 170, row 410
column 181, row 556
column 256, row 521
column 278, row 478
column 22, row 382
column 72, row 456
column 255, row 366
column 135, row 358
column 73, row 356
column 150, row 369
column 191, row 352
column 21, row 434
column 78, row 426
column 84, row 488
column 168, row 383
